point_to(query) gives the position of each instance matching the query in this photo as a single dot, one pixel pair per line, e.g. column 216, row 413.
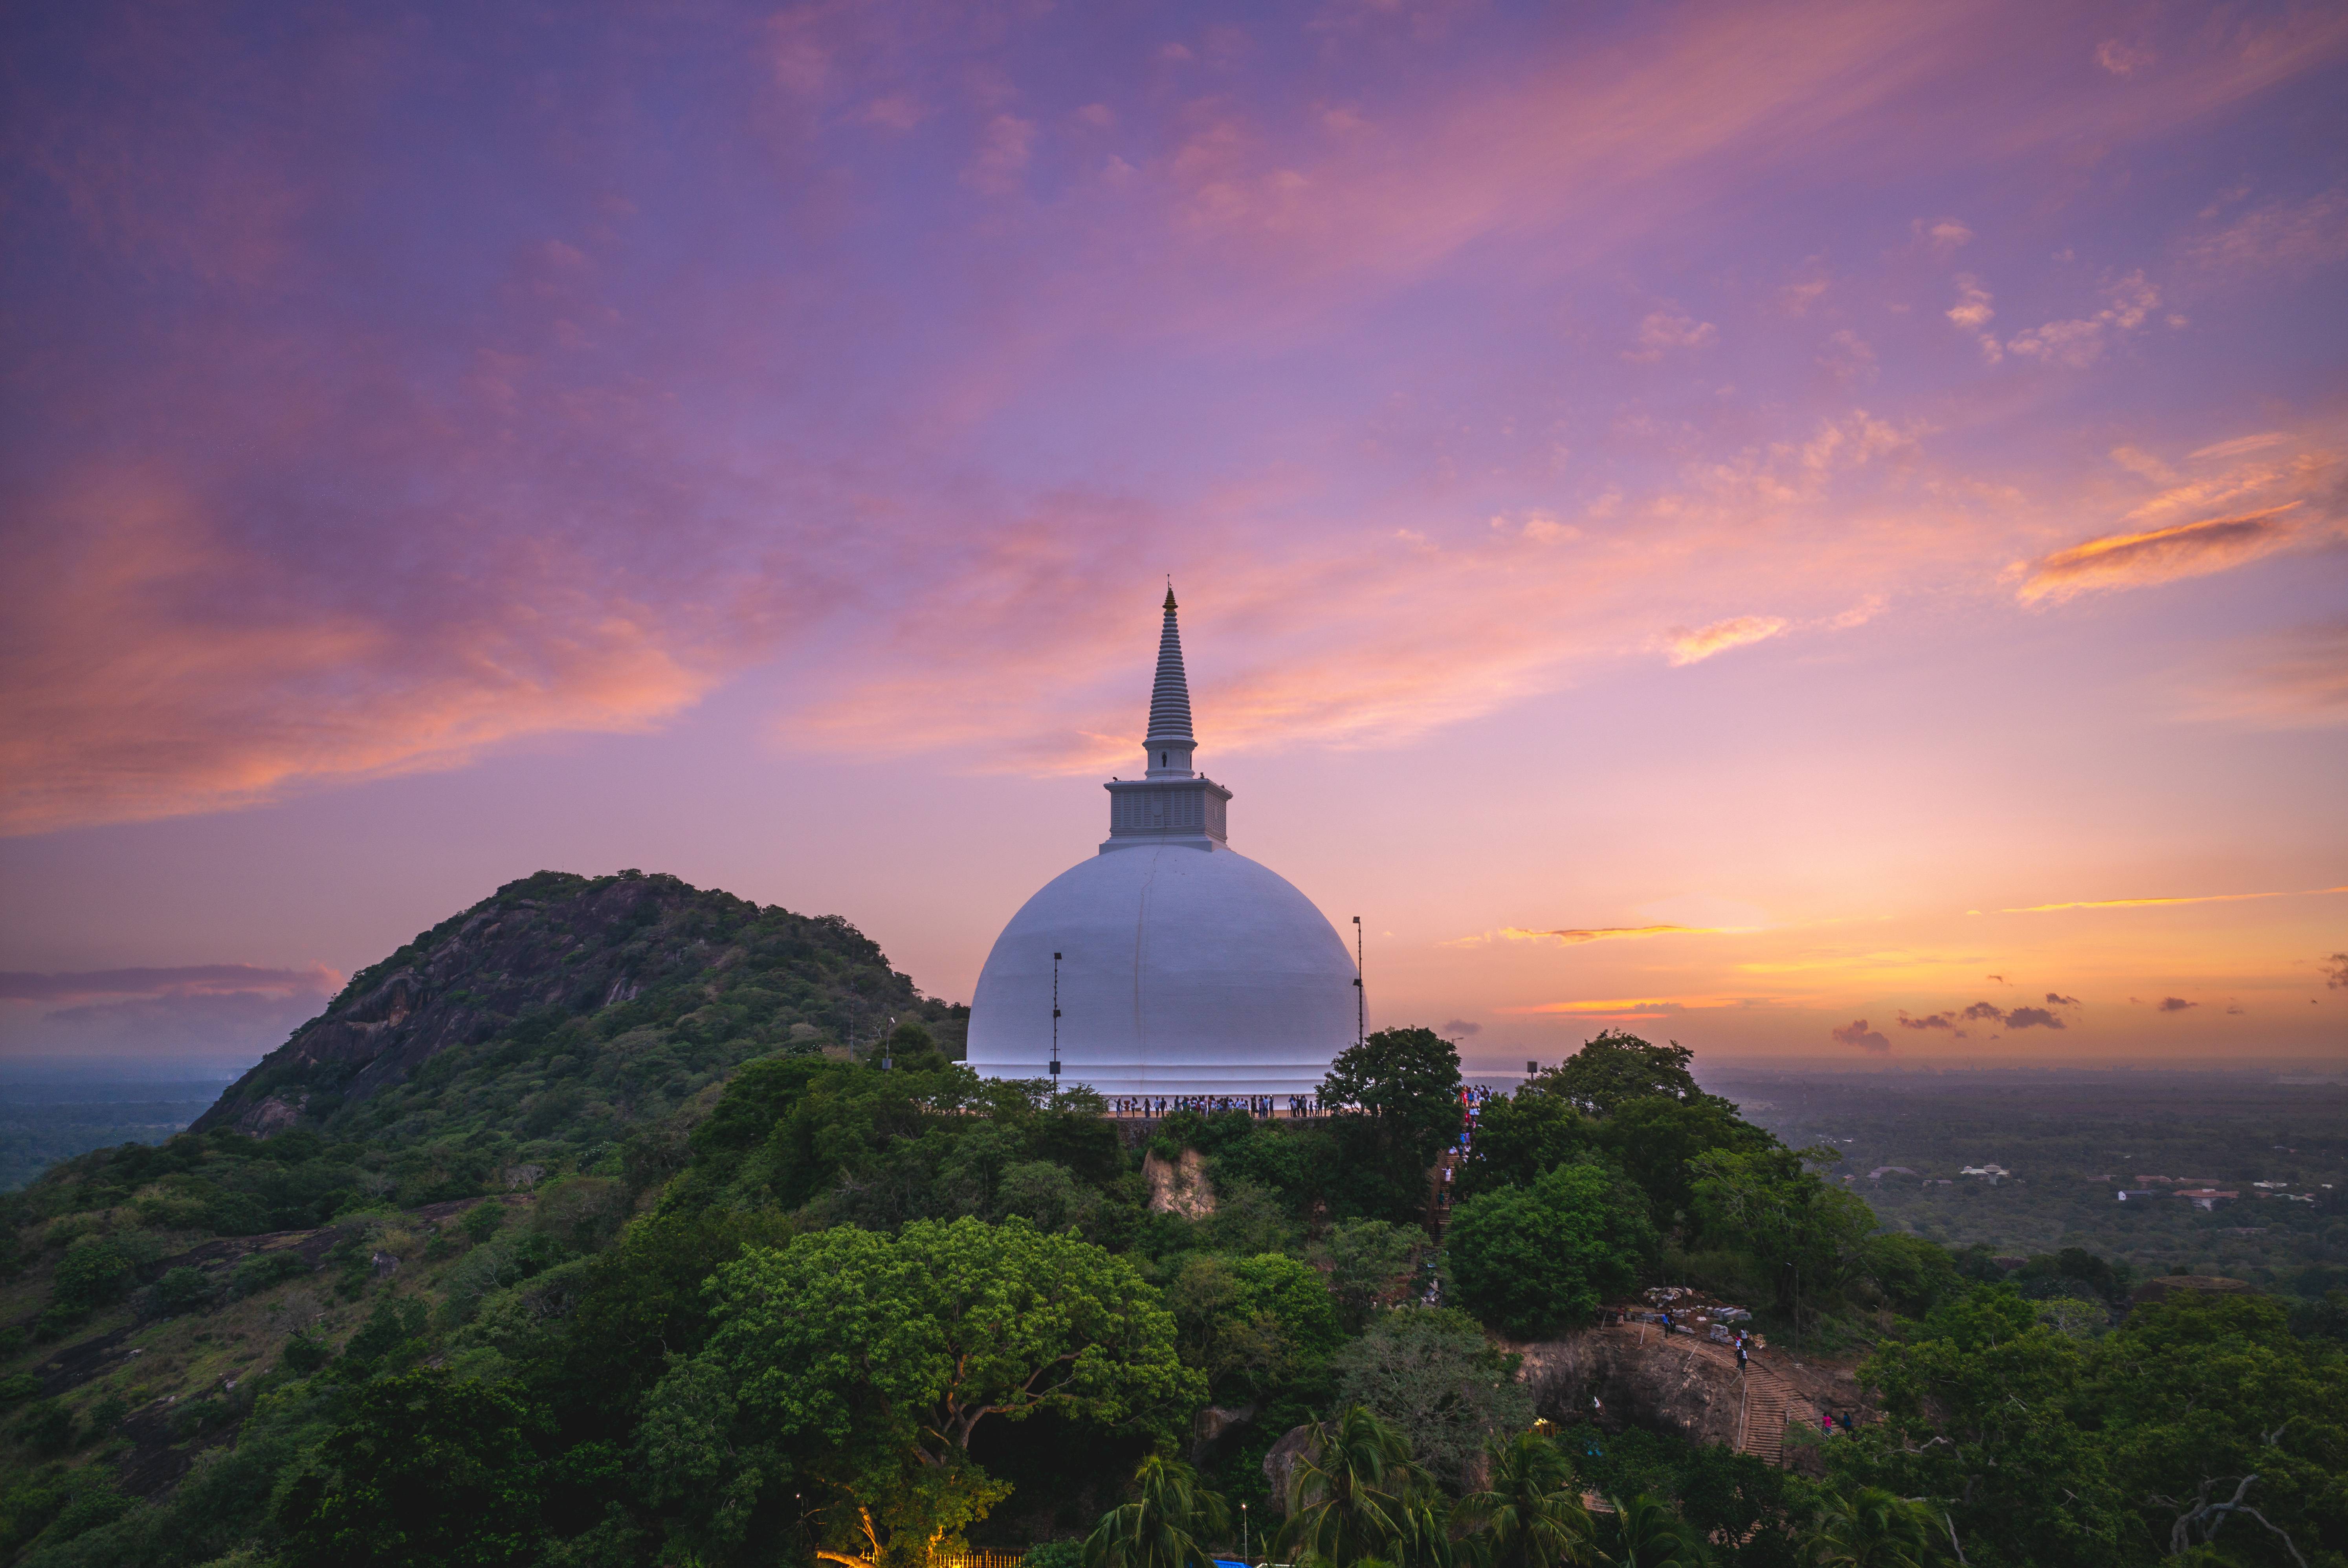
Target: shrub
column 182, row 1290
column 1056, row 1554
column 236, row 1213
column 193, row 1418
column 264, row 1269
column 482, row 1220
column 91, row 1275
column 391, row 1325
column 46, row 1429
column 17, row 1388
column 305, row 1355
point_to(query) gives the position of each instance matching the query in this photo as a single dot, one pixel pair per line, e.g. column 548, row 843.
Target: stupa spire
column 1169, row 741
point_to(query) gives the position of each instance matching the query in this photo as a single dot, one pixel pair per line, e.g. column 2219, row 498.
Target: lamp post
column 1361, row 996
column 1243, row 1535
column 1055, row 1025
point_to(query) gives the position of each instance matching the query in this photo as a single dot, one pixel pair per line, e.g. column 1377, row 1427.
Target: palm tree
column 1648, row 1534
column 1353, row 1494
column 1163, row 1528
column 1532, row 1513
column 1873, row 1528
column 1426, row 1539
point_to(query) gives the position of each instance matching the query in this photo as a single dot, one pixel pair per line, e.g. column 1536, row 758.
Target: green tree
column 1915, row 1274
column 2209, row 1406
column 1808, row 1236
column 1979, row 1420
column 1647, row 1533
column 1170, row 1523
column 1253, row 1324
column 639, row 1301
column 1873, row 1527
column 1370, row 1263
column 1434, row 1378
column 1653, row 1139
column 864, row 1363
column 1535, row 1260
column 1531, row 1512
column 1616, row 1068
column 1351, row 1493
column 1519, row 1136
column 1407, row 1081
column 425, row 1471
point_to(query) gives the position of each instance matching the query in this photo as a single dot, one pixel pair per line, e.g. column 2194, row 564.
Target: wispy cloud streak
column 2154, row 903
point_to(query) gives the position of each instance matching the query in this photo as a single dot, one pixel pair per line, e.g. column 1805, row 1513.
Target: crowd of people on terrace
column 1265, row 1105
column 1473, row 1097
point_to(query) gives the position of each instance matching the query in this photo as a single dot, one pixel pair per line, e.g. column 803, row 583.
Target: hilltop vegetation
column 769, row 1300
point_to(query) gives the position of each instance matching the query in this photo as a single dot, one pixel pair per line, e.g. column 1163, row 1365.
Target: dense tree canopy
column 864, row 1363
column 1408, row 1078
column 1615, row 1068
column 426, row 1469
column 1535, row 1260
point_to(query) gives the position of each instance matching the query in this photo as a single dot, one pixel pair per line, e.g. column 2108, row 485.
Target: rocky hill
column 563, row 1006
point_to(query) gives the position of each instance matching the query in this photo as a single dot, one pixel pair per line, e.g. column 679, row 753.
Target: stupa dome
column 1183, row 966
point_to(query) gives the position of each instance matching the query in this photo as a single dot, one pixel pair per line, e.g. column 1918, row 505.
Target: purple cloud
column 1856, row 1032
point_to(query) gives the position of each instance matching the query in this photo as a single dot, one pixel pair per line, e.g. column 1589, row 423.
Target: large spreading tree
column 848, row 1371
column 1535, row 1260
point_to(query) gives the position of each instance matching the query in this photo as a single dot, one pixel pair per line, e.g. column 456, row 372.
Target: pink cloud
column 2283, row 236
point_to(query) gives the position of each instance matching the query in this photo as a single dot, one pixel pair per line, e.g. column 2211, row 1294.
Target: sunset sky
column 1819, row 530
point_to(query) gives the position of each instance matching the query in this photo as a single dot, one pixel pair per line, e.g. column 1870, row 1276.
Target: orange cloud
column 1692, row 647
column 2159, row 555
column 1626, row 1006
column 2273, row 492
column 2154, row 903
column 1572, row 938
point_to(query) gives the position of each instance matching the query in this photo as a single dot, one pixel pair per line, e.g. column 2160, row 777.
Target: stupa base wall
column 1128, row 1080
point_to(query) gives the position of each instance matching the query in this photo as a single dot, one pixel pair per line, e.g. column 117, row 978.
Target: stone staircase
column 1761, row 1427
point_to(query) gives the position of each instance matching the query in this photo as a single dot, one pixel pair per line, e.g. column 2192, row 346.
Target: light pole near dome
column 1056, row 1023
column 1360, row 993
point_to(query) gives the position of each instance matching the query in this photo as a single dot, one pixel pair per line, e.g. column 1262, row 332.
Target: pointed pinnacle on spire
column 1169, row 741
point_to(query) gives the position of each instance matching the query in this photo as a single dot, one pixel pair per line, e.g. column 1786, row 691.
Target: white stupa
column 1184, row 968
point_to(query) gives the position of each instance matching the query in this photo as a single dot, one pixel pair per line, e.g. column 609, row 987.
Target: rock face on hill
column 554, row 966
column 1683, row 1385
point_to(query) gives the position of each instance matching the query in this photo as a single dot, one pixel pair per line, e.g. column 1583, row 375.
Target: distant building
column 1995, row 1174
column 2205, row 1197
column 1881, row 1172
column 2140, row 1194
